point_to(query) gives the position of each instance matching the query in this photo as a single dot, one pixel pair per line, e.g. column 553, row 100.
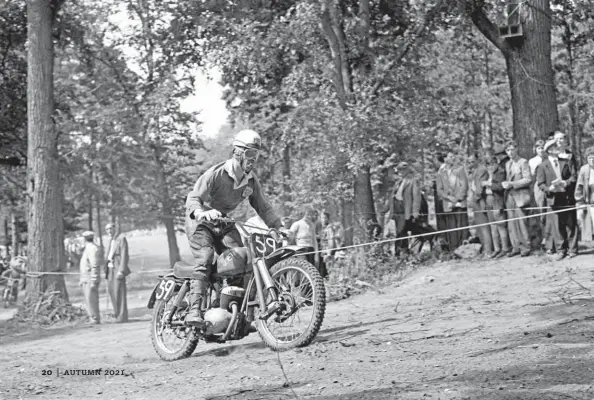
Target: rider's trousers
column 208, row 239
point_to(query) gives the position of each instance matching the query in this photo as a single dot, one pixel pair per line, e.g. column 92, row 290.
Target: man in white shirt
column 302, row 233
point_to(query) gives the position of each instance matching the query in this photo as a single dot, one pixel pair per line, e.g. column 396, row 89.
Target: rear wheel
column 304, row 295
column 171, row 342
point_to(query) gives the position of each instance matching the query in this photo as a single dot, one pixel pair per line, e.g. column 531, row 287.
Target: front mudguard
column 284, row 253
column 270, row 260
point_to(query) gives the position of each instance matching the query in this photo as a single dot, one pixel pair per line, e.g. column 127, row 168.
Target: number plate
column 165, row 289
column 264, row 244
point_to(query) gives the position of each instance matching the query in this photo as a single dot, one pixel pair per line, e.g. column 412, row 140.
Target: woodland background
column 91, row 129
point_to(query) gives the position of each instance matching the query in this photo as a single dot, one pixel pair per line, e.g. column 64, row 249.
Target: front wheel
column 171, row 342
column 304, row 296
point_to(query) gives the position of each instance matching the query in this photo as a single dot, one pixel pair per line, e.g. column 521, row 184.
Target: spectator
column 331, row 238
column 452, row 188
column 495, row 200
column 90, row 262
column 557, row 178
column 286, row 222
column 518, row 197
column 477, row 200
column 584, row 195
column 302, row 233
column 116, row 272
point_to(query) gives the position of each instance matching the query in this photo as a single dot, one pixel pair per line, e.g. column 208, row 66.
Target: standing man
column 303, row 233
column 557, row 178
column 216, row 193
column 90, row 262
column 405, row 206
column 495, row 160
column 116, row 271
column 477, row 200
column 518, row 196
column 452, row 188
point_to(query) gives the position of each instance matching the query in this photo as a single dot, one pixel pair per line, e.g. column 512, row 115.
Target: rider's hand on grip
column 277, row 234
column 208, row 215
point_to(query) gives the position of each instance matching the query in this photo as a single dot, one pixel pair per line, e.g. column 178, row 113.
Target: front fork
column 265, row 284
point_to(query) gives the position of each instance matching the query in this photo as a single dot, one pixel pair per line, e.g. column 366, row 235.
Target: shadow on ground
column 565, row 373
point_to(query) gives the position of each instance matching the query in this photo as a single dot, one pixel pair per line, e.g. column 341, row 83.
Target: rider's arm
column 263, row 207
column 199, row 194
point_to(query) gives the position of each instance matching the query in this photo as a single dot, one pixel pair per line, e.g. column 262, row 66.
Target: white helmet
column 248, row 138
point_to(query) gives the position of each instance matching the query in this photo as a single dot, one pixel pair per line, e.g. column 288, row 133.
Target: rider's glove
column 208, row 215
column 276, row 235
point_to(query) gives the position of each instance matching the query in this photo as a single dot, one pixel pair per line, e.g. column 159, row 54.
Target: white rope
column 433, row 233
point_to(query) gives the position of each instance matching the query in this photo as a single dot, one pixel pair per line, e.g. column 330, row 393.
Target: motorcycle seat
column 182, row 269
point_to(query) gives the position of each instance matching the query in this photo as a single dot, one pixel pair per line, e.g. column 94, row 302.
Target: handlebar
column 242, row 225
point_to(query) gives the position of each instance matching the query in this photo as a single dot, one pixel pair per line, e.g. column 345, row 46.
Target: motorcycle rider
column 216, row 193
column 15, row 274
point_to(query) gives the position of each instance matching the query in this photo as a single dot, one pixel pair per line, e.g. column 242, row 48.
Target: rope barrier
column 435, row 233
column 376, row 242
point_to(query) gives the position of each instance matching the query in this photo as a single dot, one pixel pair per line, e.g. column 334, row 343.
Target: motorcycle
column 278, row 287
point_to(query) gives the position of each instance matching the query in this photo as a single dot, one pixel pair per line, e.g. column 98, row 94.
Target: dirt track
column 467, row 330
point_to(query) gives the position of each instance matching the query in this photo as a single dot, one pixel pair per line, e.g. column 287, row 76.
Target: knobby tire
column 319, row 305
column 185, row 351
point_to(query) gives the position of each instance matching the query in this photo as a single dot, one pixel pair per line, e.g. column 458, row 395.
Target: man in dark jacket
column 557, row 177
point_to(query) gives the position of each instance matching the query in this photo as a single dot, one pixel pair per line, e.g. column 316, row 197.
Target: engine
column 218, row 319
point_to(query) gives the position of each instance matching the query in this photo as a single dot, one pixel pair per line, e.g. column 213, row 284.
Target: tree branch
column 14, row 182
column 429, row 17
column 486, row 27
column 326, row 25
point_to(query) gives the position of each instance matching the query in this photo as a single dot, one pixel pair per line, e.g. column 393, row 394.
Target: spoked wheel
column 304, row 298
column 171, row 342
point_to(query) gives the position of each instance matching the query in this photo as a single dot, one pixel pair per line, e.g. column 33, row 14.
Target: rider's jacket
column 220, row 189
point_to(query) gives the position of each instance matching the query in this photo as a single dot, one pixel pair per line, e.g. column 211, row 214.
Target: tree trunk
column 331, row 23
column 366, row 219
column 575, row 129
column 347, row 221
column 166, row 208
column 15, row 234
column 45, row 220
column 9, row 252
column 529, row 70
column 287, row 197
column 99, row 227
column 533, row 96
column 91, row 201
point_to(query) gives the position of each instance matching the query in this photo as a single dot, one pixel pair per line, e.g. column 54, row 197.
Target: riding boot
column 198, row 289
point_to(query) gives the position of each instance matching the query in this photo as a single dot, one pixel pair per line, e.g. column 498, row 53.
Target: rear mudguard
column 153, row 298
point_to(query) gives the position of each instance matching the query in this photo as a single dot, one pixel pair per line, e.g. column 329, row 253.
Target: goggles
column 251, row 153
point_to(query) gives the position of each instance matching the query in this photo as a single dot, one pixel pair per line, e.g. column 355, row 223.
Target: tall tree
column 45, row 243
column 529, row 67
